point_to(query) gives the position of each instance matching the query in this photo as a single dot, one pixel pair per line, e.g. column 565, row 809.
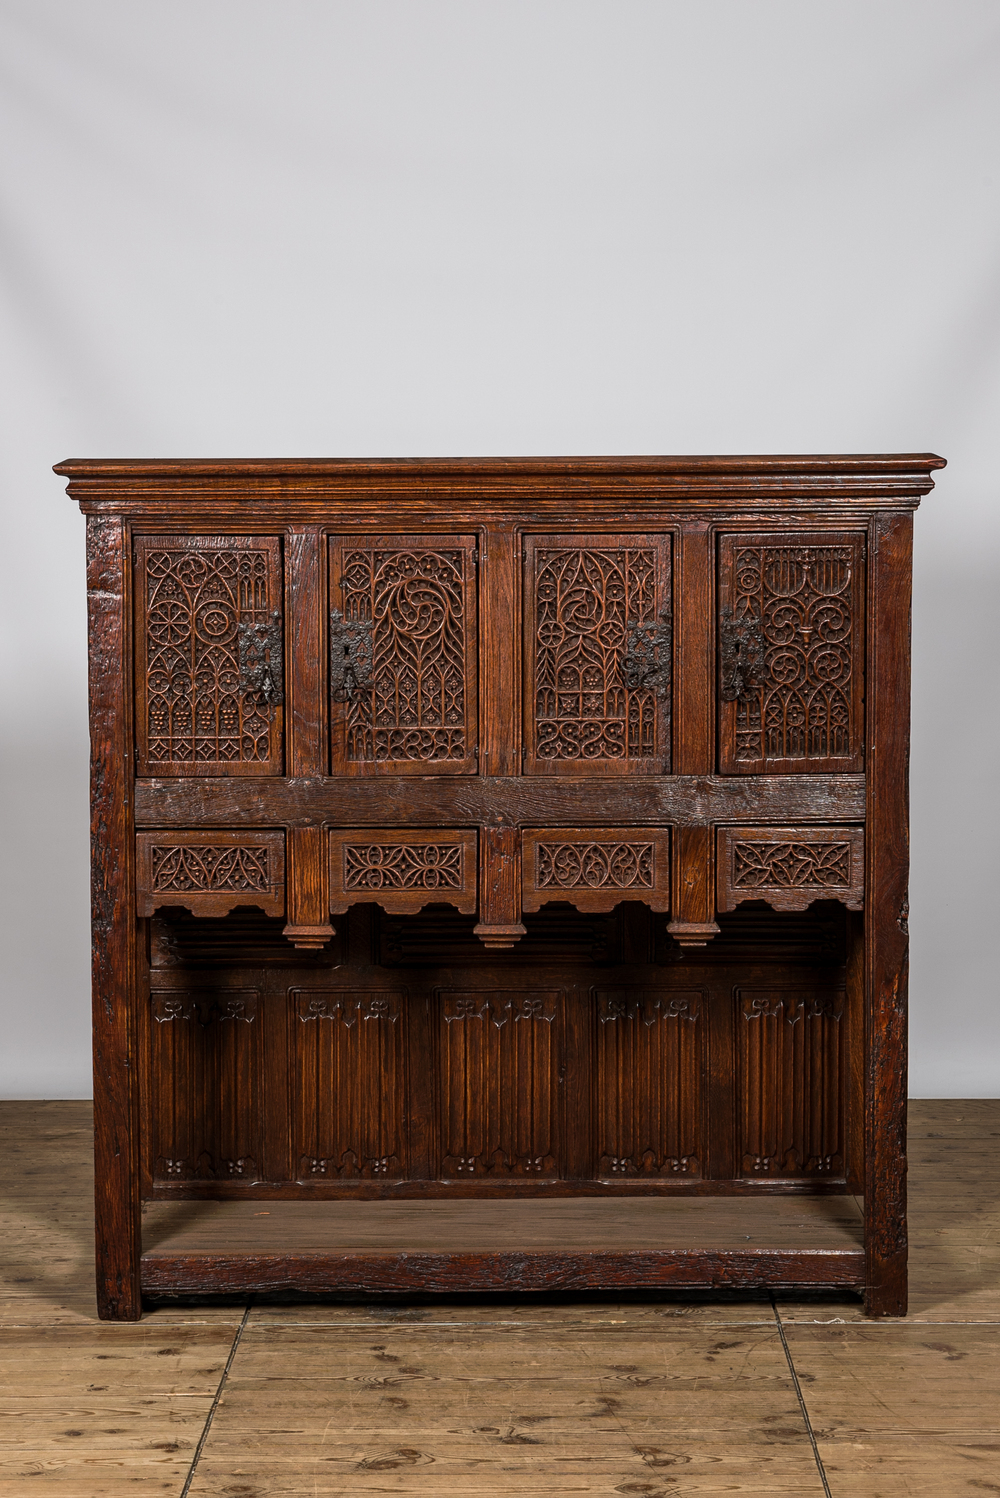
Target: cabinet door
column 791, row 653
column 209, row 655
column 597, row 653
column 403, row 655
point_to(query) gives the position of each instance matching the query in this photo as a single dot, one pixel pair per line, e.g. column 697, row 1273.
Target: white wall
column 437, row 227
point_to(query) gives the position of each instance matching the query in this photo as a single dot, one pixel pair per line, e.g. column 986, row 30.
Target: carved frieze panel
column 403, row 870
column 790, row 867
column 210, row 873
column 499, row 1049
column 791, row 1062
column 205, row 1094
column 347, row 1083
column 595, row 868
column 791, row 652
column 209, row 678
column 403, row 692
column 648, row 1083
column 598, row 649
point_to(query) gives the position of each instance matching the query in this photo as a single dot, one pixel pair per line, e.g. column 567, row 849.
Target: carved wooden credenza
column 499, row 872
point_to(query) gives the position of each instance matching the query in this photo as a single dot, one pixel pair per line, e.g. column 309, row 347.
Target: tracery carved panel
column 209, row 655
column 598, row 655
column 403, row 870
column 791, row 652
column 499, row 1048
column 790, row 867
column 791, row 1048
column 595, row 868
column 403, row 655
column 206, row 1085
column 649, row 1070
column 347, row 1084
column 210, row 873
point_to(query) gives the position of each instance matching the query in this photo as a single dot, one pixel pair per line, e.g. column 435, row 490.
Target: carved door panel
column 597, row 654
column 403, row 655
column 209, row 667
column 648, row 1078
column 791, row 653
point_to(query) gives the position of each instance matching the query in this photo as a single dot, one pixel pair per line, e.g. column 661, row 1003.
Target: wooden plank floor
column 651, row 1397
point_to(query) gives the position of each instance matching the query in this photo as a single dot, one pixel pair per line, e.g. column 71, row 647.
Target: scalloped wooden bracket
column 210, row 873
column 403, row 869
column 791, row 867
column 596, row 868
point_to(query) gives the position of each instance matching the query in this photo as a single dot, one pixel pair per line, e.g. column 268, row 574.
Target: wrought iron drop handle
column 350, row 655
column 261, row 659
column 741, row 655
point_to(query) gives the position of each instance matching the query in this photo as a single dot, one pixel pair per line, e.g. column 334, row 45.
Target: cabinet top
column 849, row 476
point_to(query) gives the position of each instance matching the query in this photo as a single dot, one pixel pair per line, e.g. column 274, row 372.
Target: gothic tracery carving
column 403, row 866
column 594, row 866
column 792, row 865
column 213, row 657
column 602, row 656
column 404, row 621
column 182, row 868
column 787, row 651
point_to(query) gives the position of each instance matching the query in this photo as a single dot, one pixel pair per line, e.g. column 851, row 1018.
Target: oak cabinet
column 500, row 833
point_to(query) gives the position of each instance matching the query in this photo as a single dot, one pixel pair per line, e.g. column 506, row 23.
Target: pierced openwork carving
column 594, row 866
column 790, row 867
column 179, row 868
column 211, row 674
column 790, row 637
column 599, row 653
column 431, row 866
column 403, row 871
column 401, row 653
column 210, row 872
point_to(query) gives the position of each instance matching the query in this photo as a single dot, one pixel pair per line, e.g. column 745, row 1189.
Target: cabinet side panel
column 886, row 917
column 116, row 1113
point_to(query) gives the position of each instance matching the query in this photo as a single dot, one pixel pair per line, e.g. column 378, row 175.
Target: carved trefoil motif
column 209, row 677
column 347, row 1083
column 403, row 654
column 649, row 1070
column 403, row 871
column 791, row 642
column 498, row 1047
column 205, row 1085
column 210, row 873
column 791, row 1048
column 598, row 654
column 595, row 868
column 790, row 867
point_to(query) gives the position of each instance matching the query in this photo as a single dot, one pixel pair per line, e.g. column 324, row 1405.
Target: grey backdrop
column 437, row 227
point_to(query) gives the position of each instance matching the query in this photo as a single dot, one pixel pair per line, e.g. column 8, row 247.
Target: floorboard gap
column 802, row 1404
column 215, row 1403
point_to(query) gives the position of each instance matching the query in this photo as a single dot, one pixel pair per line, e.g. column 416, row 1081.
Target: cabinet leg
column 886, row 1295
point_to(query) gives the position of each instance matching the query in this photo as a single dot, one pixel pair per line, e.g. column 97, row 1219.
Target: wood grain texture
column 116, row 1080
column 528, row 801
column 428, row 631
column 790, row 867
column 886, row 928
column 210, row 873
